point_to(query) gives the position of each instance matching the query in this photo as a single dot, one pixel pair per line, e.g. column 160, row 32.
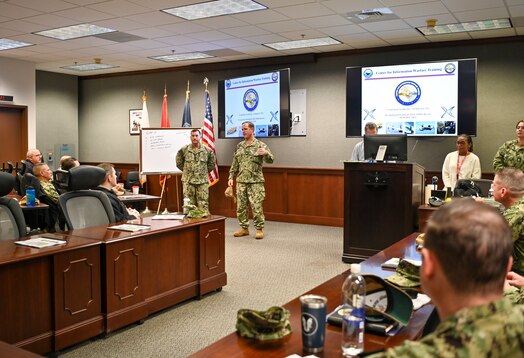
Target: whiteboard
column 158, row 148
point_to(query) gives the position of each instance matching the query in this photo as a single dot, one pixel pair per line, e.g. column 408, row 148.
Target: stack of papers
column 393, row 263
column 169, row 217
column 39, row 242
column 129, row 227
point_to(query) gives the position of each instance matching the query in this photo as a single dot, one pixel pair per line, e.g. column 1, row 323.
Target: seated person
column 465, row 259
column 45, row 176
column 514, row 287
column 121, row 212
column 68, row 163
column 508, row 189
column 358, row 151
column 33, row 157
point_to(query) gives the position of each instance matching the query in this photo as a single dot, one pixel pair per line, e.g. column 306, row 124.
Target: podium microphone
column 434, row 181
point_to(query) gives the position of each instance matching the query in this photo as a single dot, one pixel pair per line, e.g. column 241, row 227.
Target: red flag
column 164, row 123
column 208, row 138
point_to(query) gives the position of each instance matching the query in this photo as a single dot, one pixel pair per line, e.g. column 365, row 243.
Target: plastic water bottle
column 186, row 202
column 31, row 196
column 354, row 295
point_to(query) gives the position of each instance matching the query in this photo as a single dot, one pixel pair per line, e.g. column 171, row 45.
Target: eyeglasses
column 461, row 142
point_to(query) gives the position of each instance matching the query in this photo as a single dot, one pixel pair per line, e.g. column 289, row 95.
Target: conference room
column 87, row 114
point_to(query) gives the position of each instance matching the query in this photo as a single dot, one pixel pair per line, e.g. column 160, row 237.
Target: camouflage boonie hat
column 408, row 275
column 229, row 194
column 263, row 325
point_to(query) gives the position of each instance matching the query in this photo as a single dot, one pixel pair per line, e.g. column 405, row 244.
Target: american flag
column 208, row 138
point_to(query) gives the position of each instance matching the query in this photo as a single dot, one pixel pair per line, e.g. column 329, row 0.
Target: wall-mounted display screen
column 420, row 99
column 262, row 99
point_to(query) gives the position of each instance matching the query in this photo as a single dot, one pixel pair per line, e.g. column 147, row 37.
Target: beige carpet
column 292, row 259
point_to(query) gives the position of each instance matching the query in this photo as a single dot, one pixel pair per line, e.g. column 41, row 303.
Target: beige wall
column 104, row 105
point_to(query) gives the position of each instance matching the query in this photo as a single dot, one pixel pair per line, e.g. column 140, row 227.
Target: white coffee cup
column 136, row 188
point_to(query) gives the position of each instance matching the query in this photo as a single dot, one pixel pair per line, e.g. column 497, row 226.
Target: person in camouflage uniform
column 247, row 168
column 466, row 256
column 196, row 161
column 511, row 153
column 508, row 189
column 514, row 288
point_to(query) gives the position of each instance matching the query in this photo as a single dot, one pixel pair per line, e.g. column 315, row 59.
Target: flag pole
column 161, row 196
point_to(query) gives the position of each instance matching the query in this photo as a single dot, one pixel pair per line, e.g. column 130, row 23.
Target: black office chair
column 12, row 222
column 473, row 187
column 61, row 180
column 132, row 179
column 9, row 168
column 83, row 207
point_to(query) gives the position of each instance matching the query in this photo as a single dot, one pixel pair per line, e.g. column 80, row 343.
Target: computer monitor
column 397, row 146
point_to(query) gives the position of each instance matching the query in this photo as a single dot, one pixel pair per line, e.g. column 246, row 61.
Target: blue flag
column 186, row 118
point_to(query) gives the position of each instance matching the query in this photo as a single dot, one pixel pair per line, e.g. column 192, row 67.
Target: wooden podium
column 380, row 206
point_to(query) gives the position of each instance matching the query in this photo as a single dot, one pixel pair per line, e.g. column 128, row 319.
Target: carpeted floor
column 292, row 259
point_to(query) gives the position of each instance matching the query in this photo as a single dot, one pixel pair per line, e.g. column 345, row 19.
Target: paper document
column 39, row 242
column 129, row 227
column 169, row 217
column 393, row 263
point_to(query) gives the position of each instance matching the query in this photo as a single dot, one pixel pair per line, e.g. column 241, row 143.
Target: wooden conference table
column 235, row 346
column 104, row 279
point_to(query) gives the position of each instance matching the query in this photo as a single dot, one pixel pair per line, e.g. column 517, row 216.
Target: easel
column 162, row 195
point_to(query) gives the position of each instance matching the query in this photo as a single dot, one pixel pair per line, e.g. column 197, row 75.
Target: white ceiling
column 232, row 37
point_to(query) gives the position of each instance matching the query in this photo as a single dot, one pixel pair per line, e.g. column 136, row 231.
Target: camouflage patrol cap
column 408, row 275
column 385, row 299
column 229, row 193
column 263, row 325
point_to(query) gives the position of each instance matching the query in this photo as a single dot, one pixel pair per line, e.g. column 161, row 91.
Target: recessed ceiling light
column 465, row 27
column 6, row 44
column 89, row 67
column 214, row 8
column 75, row 31
column 181, row 56
column 288, row 45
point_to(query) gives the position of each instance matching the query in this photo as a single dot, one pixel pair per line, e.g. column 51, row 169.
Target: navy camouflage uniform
column 514, row 215
column 195, row 164
column 495, row 329
column 247, row 168
column 509, row 155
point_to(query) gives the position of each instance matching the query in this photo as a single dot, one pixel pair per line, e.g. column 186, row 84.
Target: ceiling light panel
column 89, row 67
column 465, row 27
column 75, row 31
column 6, row 44
column 214, row 8
column 181, row 57
column 288, row 45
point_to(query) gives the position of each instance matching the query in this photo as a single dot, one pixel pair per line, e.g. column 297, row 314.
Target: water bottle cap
column 355, row 268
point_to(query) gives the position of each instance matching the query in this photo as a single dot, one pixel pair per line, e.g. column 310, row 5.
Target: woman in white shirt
column 461, row 164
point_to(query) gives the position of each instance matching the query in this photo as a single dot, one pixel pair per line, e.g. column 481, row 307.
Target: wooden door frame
column 23, row 127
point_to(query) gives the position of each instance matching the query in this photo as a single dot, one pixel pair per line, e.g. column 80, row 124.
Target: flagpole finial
column 144, row 97
column 165, row 90
column 187, row 86
column 206, row 81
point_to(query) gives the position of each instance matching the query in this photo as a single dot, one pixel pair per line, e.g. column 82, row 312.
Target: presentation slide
column 256, row 99
column 418, row 99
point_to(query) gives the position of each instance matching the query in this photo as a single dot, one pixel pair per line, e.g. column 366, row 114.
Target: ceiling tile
column 516, row 11
column 342, row 30
column 305, row 10
column 386, row 25
column 16, row 12
column 83, row 14
column 283, row 26
column 483, row 14
column 325, row 21
column 245, row 31
column 119, row 8
column 50, row 5
column 423, row 9
column 463, row 5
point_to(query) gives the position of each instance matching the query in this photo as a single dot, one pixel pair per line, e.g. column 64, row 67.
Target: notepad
column 168, row 217
column 130, row 227
column 40, row 242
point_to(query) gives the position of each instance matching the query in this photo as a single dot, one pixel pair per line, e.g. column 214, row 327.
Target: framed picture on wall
column 135, row 119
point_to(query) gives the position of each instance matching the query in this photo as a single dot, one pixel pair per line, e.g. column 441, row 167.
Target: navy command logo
column 309, row 324
column 228, row 83
column 450, row 68
column 408, row 93
column 368, row 73
column 250, row 99
column 274, row 76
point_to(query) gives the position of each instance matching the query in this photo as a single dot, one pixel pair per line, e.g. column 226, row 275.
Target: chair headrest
column 7, row 183
column 85, row 177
